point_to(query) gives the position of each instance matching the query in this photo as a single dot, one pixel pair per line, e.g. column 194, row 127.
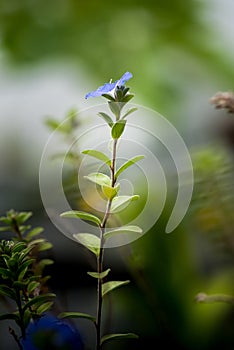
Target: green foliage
column 99, row 155
column 22, row 271
column 90, row 241
column 107, row 287
column 66, row 132
column 81, row 215
column 118, row 336
column 114, row 203
column 77, row 315
column 118, row 129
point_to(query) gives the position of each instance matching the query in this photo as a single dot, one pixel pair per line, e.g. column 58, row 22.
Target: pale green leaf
column 99, row 275
column 99, row 178
column 98, row 155
column 121, row 230
column 117, row 336
column 77, row 315
column 107, row 118
column 110, row 192
column 34, row 232
column 90, row 241
column 111, row 285
column 118, row 129
column 81, row 215
column 130, row 111
column 120, row 201
column 128, row 164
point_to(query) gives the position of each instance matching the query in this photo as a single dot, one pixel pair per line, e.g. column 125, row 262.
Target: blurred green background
column 180, row 53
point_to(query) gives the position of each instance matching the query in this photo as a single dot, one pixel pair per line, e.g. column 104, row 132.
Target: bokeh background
column 180, row 53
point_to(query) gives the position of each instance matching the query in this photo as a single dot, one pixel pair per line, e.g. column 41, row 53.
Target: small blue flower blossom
column 109, row 87
column 49, row 332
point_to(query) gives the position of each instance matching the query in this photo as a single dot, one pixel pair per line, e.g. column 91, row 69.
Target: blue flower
column 49, row 332
column 108, row 87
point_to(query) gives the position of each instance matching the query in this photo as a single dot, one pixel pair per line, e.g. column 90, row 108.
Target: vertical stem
column 21, row 313
column 101, row 254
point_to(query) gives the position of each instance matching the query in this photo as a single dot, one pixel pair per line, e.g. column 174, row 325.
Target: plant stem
column 21, row 313
column 101, row 254
column 12, row 332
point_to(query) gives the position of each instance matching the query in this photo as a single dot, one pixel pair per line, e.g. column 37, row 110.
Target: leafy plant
column 21, row 272
column 117, row 95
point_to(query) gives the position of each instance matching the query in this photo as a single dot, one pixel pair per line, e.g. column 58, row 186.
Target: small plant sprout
column 117, row 96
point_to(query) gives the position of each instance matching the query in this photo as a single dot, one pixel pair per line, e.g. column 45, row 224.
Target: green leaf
column 120, row 201
column 110, row 192
column 81, row 215
column 42, row 264
column 118, row 129
column 109, row 337
column 77, row 315
column 99, row 275
column 5, row 228
column 44, row 307
column 123, row 229
column 107, row 118
column 109, row 97
column 111, row 285
column 127, row 98
column 99, row 178
column 32, row 286
column 90, row 241
column 52, row 123
column 23, row 216
column 97, row 154
column 39, row 300
column 130, row 111
column 36, row 231
column 9, row 317
column 7, row 292
column 6, row 273
column 128, row 164
column 18, row 247
column 45, row 246
column 115, row 108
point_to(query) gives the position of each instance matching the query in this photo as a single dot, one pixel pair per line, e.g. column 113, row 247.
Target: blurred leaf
column 99, row 275
column 111, row 285
column 34, row 232
column 44, row 307
column 90, row 241
column 81, row 215
column 121, row 230
column 128, row 164
column 121, row 201
column 130, row 111
column 99, row 178
column 9, row 316
column 117, row 336
column 99, row 155
column 32, row 286
column 8, row 292
column 77, row 315
column 39, row 300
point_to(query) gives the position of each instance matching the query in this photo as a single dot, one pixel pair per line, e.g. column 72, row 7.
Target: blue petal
column 124, row 78
column 109, row 86
column 101, row 90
